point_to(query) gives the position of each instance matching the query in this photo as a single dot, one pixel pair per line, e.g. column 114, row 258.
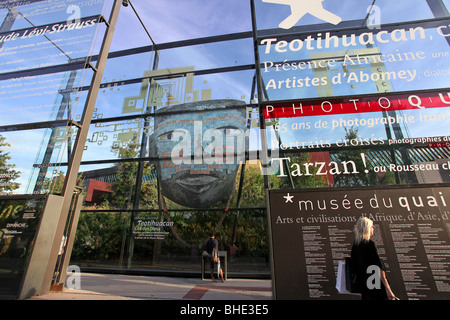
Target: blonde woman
column 369, row 268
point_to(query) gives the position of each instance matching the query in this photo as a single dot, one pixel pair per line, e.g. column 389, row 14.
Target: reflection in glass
column 19, row 222
column 8, row 172
column 46, row 97
column 180, row 20
column 209, row 55
column 270, row 13
column 162, row 88
column 326, row 64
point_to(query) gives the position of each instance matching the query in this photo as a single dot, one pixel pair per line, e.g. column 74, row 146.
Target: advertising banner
column 19, row 220
column 363, row 59
column 16, row 3
column 379, row 103
column 313, row 230
column 45, row 47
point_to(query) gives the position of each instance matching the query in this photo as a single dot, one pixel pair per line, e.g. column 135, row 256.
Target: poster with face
column 200, row 146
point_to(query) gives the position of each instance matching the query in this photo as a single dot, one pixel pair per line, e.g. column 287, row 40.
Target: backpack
column 210, row 245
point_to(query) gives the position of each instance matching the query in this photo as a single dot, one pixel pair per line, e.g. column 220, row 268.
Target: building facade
column 213, row 117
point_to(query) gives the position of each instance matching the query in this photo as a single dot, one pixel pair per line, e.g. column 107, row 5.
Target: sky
column 175, row 20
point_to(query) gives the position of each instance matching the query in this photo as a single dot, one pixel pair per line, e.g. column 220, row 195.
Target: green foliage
column 123, row 190
column 304, row 181
column 361, row 178
column 55, row 184
column 253, row 193
column 99, row 235
column 7, row 172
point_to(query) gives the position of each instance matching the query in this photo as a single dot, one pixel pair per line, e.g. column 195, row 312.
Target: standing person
column 364, row 255
column 212, row 248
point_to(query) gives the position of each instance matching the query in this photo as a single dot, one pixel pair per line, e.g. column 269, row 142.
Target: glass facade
column 224, row 101
column 376, row 86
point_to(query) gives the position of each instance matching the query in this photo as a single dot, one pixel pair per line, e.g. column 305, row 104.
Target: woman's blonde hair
column 362, row 229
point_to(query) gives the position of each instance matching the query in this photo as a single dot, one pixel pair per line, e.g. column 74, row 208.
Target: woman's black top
column 365, row 254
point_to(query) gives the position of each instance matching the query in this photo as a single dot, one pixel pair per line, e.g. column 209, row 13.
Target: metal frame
column 40, row 267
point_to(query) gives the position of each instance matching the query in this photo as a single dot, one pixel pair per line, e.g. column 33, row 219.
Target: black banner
column 313, row 230
column 19, row 220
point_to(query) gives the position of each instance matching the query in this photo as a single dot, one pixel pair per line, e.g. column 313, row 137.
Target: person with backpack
column 212, row 248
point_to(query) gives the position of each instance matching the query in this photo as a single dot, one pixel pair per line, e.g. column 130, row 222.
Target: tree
column 123, row 189
column 362, row 178
column 304, row 181
column 7, row 172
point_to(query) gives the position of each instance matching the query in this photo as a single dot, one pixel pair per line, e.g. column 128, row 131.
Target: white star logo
column 288, row 198
column 301, row 7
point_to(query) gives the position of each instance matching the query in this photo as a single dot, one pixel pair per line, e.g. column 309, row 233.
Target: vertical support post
column 439, row 10
column 137, row 189
column 262, row 126
column 70, row 234
column 40, row 267
column 75, row 159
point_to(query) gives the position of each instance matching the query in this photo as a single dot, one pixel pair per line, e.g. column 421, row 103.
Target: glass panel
column 10, row 170
column 43, row 34
column 416, row 115
column 128, row 67
column 228, row 85
column 97, row 182
column 447, row 3
column 395, row 147
column 172, row 240
column 47, row 97
column 119, row 98
column 277, row 14
column 19, row 222
column 39, row 12
column 42, row 172
column 243, row 234
column 365, row 167
column 180, row 20
column 403, row 58
column 113, row 186
column 209, row 55
column 114, row 140
column 44, row 47
column 100, row 239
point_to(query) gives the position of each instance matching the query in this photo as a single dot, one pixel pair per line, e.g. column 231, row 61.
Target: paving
column 92, row 286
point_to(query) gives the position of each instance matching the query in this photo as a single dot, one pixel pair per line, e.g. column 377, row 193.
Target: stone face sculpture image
column 200, row 145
